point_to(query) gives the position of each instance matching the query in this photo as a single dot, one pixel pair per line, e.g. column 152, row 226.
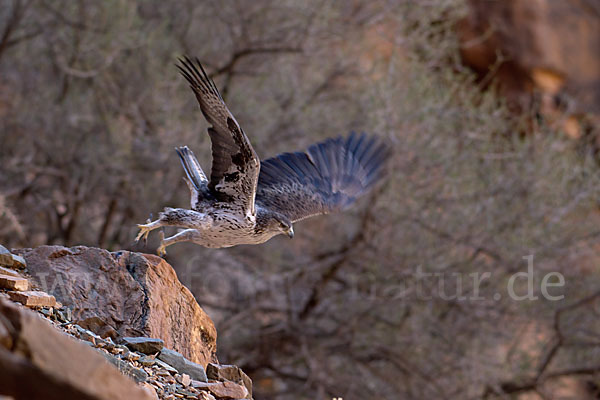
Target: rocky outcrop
column 47, row 355
column 37, row 361
column 125, row 294
column 546, row 47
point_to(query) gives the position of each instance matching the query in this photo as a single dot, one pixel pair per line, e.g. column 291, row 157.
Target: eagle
column 248, row 201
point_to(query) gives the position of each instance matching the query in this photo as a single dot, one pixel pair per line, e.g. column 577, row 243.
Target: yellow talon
column 144, row 232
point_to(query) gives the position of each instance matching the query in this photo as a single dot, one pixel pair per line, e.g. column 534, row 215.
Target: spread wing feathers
column 235, row 166
column 328, row 177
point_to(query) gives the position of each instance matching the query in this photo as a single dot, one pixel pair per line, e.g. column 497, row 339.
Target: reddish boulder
column 125, row 294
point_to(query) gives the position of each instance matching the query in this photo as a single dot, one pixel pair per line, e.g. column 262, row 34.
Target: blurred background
column 492, row 109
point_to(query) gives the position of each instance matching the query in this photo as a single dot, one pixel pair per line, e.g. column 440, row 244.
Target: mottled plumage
column 246, row 201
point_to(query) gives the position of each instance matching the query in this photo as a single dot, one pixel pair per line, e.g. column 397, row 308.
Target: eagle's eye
column 282, row 225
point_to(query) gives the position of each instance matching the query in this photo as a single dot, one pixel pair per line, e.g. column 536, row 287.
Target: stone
column 33, row 299
column 165, row 366
column 5, row 256
column 109, row 345
column 13, row 283
column 87, row 335
column 206, row 396
column 131, row 356
column 137, row 374
column 184, row 379
column 222, row 390
column 229, row 390
column 44, row 363
column 124, row 349
column 47, row 311
column 150, row 389
column 231, row 373
column 98, row 325
column 143, row 344
column 9, row 272
column 125, row 294
column 11, row 260
column 157, row 384
column 188, row 393
column 147, row 361
column 62, row 315
column 19, row 262
column 163, row 373
column 183, row 365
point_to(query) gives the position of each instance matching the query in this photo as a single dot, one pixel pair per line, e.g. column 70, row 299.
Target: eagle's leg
column 187, row 235
column 168, row 217
column 145, row 229
column 172, row 217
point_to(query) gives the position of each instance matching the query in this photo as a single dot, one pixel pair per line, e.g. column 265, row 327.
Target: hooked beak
column 290, row 233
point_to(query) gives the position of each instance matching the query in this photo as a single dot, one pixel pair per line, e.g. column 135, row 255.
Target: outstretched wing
column 328, row 177
column 235, row 166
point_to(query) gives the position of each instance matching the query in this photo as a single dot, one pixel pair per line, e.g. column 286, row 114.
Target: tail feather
column 192, row 168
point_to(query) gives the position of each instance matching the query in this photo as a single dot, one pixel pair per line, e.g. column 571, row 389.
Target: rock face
column 125, row 294
column 37, row 361
column 548, row 46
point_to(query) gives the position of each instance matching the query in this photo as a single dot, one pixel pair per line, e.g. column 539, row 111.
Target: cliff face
column 125, row 294
column 544, row 47
column 98, row 310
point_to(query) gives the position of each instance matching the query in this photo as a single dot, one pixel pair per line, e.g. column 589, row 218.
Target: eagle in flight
column 248, row 201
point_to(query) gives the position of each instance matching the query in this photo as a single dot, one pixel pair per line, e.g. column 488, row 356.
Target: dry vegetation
column 91, row 107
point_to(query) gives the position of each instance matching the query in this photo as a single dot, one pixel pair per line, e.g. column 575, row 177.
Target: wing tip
column 197, row 79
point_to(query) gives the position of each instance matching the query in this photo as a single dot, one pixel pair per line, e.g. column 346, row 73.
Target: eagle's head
column 284, row 225
column 274, row 223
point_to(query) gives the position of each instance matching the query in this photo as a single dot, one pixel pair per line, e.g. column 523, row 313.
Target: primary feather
column 235, row 165
column 328, row 177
